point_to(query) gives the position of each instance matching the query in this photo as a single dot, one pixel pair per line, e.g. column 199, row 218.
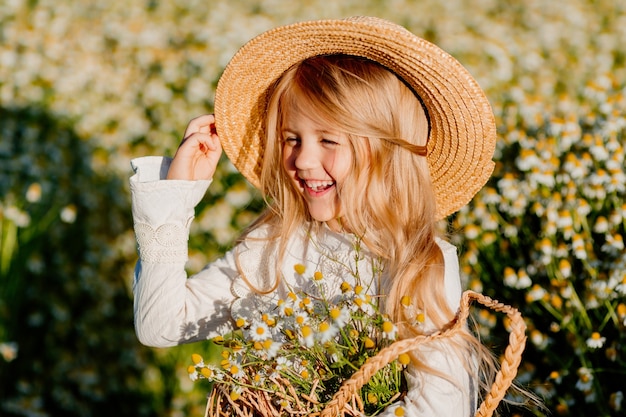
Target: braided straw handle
column 504, row 377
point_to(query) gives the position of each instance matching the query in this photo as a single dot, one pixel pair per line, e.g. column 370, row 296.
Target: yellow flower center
column 387, row 327
column 406, row 301
column 195, row 358
column 299, row 268
column 318, row 276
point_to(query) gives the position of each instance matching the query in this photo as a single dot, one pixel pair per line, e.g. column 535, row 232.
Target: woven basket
column 347, row 402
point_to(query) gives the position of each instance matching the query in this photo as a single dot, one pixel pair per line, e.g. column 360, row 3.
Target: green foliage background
column 86, row 86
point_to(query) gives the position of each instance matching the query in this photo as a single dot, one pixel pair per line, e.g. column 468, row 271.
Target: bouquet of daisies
column 293, row 359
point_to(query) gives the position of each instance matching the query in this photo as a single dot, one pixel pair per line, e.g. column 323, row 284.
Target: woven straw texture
column 463, row 133
column 346, row 400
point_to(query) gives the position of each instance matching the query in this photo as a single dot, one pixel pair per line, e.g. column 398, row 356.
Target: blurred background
column 86, row 86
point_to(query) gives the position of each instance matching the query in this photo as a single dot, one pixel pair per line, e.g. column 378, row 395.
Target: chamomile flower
column 596, row 341
column 390, row 331
column 258, row 331
column 271, row 347
column 193, row 373
column 326, row 331
column 585, row 379
column 307, row 337
column 339, row 315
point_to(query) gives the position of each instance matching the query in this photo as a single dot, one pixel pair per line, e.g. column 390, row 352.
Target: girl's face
column 317, row 159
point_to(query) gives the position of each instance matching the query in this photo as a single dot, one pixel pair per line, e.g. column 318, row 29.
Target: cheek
column 344, row 164
column 287, row 159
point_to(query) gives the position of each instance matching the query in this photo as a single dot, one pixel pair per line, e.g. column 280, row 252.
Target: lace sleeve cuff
column 162, row 210
column 166, row 243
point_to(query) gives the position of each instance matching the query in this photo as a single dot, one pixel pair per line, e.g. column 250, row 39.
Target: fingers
column 201, row 124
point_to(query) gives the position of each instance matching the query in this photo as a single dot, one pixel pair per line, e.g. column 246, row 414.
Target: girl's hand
column 198, row 153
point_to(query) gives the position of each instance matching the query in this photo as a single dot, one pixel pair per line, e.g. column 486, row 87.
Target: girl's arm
column 169, row 308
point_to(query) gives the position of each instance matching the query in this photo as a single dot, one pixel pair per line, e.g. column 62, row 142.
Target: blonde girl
column 357, row 133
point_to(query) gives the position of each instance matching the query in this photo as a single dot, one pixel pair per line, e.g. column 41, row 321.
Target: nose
column 305, row 158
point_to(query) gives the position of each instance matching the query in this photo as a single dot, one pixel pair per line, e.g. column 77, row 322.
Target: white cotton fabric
column 172, row 308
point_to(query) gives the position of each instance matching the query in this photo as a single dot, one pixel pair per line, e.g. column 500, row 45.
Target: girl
column 361, row 137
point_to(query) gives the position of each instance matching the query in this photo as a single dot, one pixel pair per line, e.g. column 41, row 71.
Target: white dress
column 171, row 308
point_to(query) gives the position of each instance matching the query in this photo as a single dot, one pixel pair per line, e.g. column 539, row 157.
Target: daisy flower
column 258, row 331
column 326, row 331
column 596, row 341
column 390, row 331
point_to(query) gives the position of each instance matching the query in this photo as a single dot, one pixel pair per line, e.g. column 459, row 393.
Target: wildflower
column 326, row 331
column 389, row 330
column 271, row 347
column 33, row 193
column 585, row 379
column 556, row 376
column 399, row 412
column 368, row 343
column 539, row 339
column 8, row 351
column 207, row 372
column 235, row 393
column 472, row 232
column 258, row 331
column 299, row 268
column 614, row 243
column 307, row 336
column 565, row 267
column 17, row 216
column 236, row 370
column 68, row 213
column 340, row 316
column 197, row 359
column 536, row 293
column 578, row 245
column 615, row 400
column 241, row 322
column 404, row 359
column 193, row 372
column 596, row 341
column 601, row 225
column 318, row 276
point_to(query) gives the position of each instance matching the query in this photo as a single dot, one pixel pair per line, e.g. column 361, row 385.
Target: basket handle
column 504, row 377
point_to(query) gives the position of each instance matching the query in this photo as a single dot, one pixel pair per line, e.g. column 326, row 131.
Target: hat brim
column 463, row 133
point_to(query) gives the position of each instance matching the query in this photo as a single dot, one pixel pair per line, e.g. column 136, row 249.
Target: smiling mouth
column 317, row 186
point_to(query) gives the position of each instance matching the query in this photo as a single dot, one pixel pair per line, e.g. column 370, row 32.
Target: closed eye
column 291, row 141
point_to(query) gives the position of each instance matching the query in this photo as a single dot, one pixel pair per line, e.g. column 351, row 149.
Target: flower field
column 86, row 86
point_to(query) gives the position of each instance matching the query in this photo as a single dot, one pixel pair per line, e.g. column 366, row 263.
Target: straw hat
column 463, row 134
